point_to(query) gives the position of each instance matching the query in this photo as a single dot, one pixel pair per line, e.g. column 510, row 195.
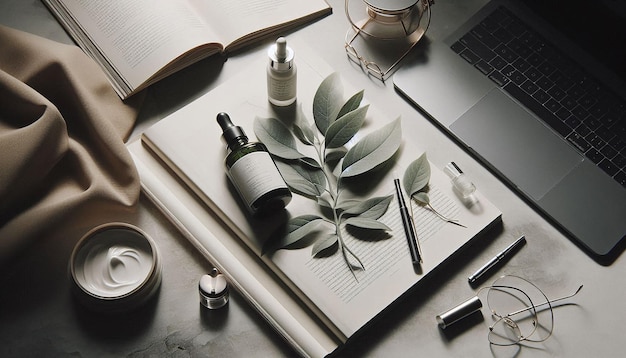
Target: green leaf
column 366, row 223
column 298, row 228
column 417, row 175
column 347, row 204
column 323, row 244
column 327, row 102
column 310, row 162
column 337, row 170
column 335, row 156
column 303, row 187
column 353, row 103
column 344, row 128
column 373, row 150
column 302, row 179
column 421, row 198
column 372, row 208
column 302, row 129
column 276, row 137
column 323, row 201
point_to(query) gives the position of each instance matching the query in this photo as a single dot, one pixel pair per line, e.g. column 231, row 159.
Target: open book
column 140, row 42
column 321, row 304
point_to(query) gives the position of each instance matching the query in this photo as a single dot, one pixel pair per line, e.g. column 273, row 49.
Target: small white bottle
column 281, row 74
column 460, row 183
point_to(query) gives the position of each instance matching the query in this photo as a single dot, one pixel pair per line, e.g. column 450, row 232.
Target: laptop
column 537, row 91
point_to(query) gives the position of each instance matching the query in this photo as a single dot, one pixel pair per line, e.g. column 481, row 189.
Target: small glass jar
column 213, row 290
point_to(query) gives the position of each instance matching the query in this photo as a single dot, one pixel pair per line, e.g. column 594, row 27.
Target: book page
column 236, row 20
column 378, row 249
column 344, row 300
column 140, row 37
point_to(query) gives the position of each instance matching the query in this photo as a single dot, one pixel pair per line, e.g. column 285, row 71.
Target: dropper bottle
column 252, row 171
column 281, row 74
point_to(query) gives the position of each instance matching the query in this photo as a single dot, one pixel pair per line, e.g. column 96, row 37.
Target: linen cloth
column 62, row 133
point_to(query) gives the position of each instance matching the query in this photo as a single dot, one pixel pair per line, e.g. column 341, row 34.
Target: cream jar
column 115, row 267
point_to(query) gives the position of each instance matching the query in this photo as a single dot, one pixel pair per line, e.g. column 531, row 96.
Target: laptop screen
column 599, row 27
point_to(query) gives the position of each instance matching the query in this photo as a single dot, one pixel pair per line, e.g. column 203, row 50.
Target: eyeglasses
column 520, row 311
column 371, row 67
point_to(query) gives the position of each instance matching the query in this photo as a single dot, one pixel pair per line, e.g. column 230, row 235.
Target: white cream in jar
column 115, row 270
column 116, row 264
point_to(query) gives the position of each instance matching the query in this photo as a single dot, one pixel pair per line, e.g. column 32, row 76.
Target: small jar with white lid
column 213, row 290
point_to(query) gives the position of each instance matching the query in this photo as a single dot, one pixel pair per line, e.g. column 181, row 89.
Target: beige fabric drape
column 62, row 132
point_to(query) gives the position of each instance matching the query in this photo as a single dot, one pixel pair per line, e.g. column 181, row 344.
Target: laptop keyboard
column 569, row 100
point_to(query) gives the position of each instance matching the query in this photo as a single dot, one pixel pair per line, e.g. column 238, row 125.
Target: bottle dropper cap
column 281, row 49
column 230, row 132
column 281, row 56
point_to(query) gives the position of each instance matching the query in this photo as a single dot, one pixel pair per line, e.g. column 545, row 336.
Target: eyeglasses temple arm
column 545, row 303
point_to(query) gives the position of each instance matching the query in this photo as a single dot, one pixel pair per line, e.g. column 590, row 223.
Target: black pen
column 409, row 230
column 504, row 253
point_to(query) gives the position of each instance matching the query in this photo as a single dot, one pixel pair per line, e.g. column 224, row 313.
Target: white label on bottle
column 282, row 89
column 255, row 174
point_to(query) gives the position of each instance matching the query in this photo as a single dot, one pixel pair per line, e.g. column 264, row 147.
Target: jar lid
column 115, row 267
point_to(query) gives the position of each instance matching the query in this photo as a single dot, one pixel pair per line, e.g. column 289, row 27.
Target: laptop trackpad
column 515, row 143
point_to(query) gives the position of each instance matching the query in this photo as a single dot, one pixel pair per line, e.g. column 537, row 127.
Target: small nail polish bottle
column 460, row 183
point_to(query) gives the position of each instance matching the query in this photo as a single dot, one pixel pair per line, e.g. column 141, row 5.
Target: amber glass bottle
column 252, row 171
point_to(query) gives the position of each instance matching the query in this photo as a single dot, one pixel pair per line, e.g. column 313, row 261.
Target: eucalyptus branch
column 342, row 246
column 333, row 191
column 335, row 124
